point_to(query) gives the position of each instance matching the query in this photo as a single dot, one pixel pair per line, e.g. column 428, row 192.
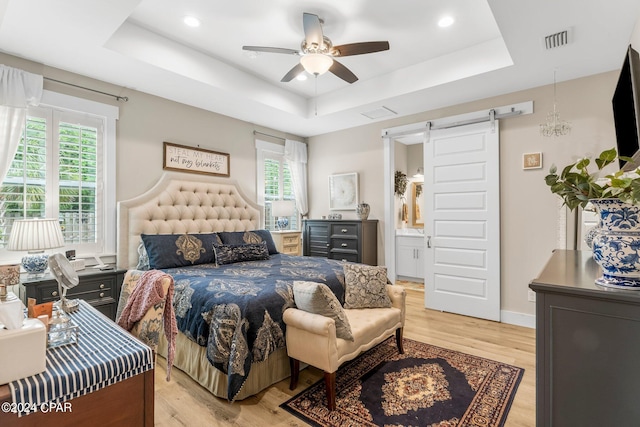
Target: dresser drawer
column 291, row 249
column 291, row 240
column 348, row 229
column 346, row 244
column 344, row 256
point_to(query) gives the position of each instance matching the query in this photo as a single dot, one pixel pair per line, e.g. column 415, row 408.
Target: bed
column 231, row 338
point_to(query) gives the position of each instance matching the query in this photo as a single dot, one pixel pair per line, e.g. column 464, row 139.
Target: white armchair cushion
column 317, row 298
column 365, row 286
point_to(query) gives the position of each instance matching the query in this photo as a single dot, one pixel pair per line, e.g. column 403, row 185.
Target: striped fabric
column 105, row 354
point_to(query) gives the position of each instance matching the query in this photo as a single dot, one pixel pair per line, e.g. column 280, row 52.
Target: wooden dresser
column 587, row 346
column 287, row 241
column 347, row 240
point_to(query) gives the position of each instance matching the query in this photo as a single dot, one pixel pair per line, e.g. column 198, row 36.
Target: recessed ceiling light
column 445, row 21
column 191, row 21
column 302, row 76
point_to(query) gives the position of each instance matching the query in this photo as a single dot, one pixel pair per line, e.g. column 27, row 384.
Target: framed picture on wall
column 343, row 191
column 195, row 159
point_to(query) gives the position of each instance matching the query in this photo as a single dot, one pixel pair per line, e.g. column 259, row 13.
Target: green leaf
column 553, row 169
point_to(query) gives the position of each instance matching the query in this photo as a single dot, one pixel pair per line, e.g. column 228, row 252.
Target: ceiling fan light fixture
column 191, row 21
column 301, row 77
column 316, row 63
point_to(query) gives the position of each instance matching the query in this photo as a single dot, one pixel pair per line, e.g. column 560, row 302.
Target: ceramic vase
column 616, row 244
column 362, row 210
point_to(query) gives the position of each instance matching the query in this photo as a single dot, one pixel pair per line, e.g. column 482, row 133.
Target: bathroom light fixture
column 554, row 126
column 419, row 173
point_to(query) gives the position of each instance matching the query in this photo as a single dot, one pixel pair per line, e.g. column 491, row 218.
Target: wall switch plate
column 531, row 295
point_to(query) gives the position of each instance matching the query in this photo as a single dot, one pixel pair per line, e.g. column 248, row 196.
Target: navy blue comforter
column 235, row 310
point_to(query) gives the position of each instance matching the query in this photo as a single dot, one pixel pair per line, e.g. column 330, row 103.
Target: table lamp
column 282, row 209
column 35, row 236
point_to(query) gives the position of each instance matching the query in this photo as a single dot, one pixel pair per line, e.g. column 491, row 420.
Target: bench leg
column 399, row 340
column 295, row 372
column 330, row 385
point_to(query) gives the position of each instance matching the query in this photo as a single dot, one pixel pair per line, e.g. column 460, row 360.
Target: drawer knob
column 344, row 245
column 101, row 285
column 101, row 294
column 54, row 293
column 344, row 260
column 344, row 230
column 327, row 245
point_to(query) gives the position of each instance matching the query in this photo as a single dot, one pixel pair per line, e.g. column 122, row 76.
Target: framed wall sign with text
column 194, row 159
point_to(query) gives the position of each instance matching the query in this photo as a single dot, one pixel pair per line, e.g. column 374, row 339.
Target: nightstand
column 287, row 241
column 100, row 288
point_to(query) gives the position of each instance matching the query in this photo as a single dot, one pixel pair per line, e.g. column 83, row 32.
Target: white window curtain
column 295, row 153
column 18, row 90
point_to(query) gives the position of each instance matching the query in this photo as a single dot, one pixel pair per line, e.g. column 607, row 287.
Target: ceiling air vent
column 559, row 39
column 379, row 113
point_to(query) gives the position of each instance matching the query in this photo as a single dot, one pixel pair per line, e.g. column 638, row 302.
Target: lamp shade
column 282, row 208
column 35, row 235
column 316, row 63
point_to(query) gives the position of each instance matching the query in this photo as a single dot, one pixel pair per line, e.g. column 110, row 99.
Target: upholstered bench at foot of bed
column 311, row 338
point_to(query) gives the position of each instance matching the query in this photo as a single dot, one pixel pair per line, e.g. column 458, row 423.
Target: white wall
column 528, row 209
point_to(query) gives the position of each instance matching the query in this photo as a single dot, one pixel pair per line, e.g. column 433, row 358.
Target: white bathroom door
column 462, row 220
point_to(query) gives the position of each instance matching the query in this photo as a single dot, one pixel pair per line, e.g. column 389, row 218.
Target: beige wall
column 528, row 209
column 147, row 121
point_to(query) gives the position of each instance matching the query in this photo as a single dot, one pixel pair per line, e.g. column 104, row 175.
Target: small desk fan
column 67, row 278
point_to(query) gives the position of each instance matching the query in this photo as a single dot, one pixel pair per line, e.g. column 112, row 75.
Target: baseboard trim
column 518, row 319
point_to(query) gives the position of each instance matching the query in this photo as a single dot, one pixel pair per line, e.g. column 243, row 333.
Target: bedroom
column 146, row 121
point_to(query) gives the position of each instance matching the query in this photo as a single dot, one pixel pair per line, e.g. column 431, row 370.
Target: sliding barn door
column 462, row 221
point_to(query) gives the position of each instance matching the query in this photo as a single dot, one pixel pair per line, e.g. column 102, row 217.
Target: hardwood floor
column 182, row 402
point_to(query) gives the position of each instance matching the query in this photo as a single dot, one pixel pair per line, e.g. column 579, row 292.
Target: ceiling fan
column 318, row 53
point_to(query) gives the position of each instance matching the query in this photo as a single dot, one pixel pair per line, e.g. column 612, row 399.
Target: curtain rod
column 255, row 132
column 117, row 97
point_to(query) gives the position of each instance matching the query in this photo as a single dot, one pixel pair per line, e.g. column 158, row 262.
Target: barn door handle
column 428, row 241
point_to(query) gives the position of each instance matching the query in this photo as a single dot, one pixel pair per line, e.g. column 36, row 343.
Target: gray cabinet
column 587, row 346
column 348, row 240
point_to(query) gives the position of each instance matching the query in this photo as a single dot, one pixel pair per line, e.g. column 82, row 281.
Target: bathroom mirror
column 417, row 197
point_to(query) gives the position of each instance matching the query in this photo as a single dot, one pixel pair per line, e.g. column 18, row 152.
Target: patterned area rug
column 425, row 386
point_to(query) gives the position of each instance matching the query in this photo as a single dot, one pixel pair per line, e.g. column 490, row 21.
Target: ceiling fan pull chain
column 315, row 96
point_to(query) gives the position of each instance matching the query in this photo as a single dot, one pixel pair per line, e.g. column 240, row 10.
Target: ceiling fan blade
column 271, row 49
column 293, row 73
column 359, row 48
column 312, row 29
column 343, row 72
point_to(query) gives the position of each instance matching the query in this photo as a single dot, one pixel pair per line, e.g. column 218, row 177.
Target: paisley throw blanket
column 235, row 310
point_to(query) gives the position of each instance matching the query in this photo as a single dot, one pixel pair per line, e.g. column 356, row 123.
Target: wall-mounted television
column 626, row 110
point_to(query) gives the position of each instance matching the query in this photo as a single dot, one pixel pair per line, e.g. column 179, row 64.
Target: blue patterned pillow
column 179, row 250
column 246, row 237
column 228, row 254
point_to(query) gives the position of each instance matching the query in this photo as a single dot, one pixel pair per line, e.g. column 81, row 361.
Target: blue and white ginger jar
column 616, row 245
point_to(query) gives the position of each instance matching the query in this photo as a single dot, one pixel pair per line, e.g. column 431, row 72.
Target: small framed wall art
column 194, row 159
column 343, row 191
column 532, row 161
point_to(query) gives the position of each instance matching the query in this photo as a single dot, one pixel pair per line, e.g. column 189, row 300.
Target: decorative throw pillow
column 228, row 254
column 143, row 258
column 179, row 250
column 246, row 237
column 365, row 286
column 317, row 298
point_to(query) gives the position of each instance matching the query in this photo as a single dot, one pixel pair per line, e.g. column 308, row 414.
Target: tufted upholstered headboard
column 184, row 203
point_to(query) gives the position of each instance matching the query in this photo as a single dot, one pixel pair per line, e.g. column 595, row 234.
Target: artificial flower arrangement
column 576, row 184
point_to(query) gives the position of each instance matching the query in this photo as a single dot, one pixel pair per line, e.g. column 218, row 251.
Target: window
column 60, row 171
column 274, row 183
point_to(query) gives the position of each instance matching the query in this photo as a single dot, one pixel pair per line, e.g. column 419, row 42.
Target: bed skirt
column 191, row 358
